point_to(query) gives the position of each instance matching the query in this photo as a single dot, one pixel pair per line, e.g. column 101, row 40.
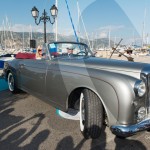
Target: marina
column 74, row 75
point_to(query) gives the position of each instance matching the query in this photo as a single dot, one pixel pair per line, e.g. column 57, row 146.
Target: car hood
column 124, row 67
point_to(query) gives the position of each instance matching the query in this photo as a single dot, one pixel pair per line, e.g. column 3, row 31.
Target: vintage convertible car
column 104, row 91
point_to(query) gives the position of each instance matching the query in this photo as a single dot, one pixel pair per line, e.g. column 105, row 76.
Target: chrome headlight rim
column 140, row 88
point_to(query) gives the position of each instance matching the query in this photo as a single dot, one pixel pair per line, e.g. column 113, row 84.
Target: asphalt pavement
column 27, row 123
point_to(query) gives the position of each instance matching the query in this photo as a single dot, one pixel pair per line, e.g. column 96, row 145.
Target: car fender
column 114, row 90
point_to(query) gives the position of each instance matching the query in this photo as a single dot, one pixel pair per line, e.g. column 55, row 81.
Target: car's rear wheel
column 91, row 114
column 11, row 83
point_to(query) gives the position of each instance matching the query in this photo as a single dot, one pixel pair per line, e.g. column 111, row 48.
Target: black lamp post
column 44, row 18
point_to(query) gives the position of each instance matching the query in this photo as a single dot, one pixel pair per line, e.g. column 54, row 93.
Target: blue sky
column 135, row 10
column 128, row 15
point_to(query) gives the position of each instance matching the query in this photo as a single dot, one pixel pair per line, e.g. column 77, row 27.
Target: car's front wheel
column 91, row 114
column 11, row 83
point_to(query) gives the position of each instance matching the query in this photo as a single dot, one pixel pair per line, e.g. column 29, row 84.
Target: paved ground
column 28, row 123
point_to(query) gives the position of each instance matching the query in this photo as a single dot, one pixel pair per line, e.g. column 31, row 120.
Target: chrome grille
column 145, row 76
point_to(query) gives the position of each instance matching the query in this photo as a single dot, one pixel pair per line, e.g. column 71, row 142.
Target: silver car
column 104, row 91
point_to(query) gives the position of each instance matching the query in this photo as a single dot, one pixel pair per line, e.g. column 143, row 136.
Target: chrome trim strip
column 125, row 131
column 145, row 72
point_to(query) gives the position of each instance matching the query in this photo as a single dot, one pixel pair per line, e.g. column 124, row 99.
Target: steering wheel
column 81, row 52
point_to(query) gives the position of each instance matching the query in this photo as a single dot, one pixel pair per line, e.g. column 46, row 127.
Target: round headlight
column 140, row 88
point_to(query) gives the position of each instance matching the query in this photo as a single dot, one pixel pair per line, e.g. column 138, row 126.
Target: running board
column 72, row 114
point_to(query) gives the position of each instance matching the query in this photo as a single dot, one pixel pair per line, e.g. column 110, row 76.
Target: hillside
column 19, row 40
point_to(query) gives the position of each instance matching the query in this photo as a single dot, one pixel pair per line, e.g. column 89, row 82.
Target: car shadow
column 7, row 100
column 128, row 144
column 68, row 143
column 101, row 143
column 13, row 129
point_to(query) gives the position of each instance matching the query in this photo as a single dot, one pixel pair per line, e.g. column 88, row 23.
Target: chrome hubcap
column 11, row 82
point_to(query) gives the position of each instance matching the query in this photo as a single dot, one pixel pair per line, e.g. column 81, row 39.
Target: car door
column 32, row 75
column 56, row 90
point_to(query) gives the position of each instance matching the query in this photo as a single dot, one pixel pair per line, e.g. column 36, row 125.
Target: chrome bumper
column 125, row 131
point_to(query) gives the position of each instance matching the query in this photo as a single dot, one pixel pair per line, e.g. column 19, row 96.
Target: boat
column 6, row 57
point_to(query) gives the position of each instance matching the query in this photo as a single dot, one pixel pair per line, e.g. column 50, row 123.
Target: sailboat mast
column 4, row 34
column 133, row 38
column 78, row 20
column 86, row 34
column 23, row 40
column 114, row 41
column 143, row 31
column 109, row 37
column 10, row 38
column 56, row 21
column 30, row 32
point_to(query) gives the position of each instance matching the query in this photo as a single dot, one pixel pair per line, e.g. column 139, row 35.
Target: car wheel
column 91, row 114
column 11, row 83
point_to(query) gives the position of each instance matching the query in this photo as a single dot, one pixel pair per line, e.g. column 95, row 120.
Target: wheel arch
column 6, row 76
column 72, row 98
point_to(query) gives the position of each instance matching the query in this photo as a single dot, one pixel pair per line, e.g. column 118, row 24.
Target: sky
column 117, row 17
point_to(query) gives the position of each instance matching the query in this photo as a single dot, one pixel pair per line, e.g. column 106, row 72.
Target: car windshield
column 69, row 50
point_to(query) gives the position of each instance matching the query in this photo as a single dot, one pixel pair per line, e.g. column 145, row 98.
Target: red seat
column 25, row 56
column 54, row 54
